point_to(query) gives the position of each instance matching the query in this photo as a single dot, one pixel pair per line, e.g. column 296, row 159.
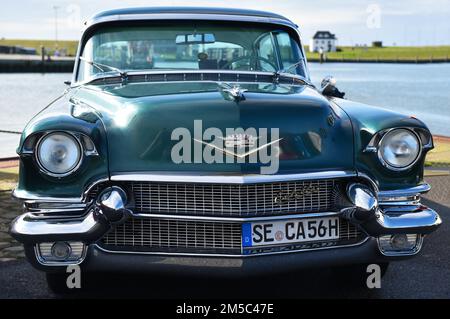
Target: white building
column 323, row 39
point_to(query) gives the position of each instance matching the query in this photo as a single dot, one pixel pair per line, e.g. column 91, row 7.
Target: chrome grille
column 234, row 200
column 192, row 236
column 166, row 235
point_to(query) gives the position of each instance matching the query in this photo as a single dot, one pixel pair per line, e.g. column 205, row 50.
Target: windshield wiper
column 278, row 73
column 286, row 70
column 102, row 67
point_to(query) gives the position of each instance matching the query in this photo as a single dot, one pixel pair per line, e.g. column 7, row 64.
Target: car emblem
column 239, row 141
column 286, row 197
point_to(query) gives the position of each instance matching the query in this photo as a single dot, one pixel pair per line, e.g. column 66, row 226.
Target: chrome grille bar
column 192, row 236
column 176, row 235
column 239, row 200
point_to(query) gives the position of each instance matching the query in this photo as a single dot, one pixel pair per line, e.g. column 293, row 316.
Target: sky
column 399, row 22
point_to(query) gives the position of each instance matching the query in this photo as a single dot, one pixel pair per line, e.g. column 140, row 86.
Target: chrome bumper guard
column 397, row 212
column 108, row 210
column 29, row 230
column 421, row 220
column 392, row 212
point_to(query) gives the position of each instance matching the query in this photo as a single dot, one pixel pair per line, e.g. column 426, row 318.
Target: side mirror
column 328, row 87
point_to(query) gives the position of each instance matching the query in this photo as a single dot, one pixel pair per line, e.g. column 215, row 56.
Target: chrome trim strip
column 54, row 207
column 234, row 219
column 60, row 217
column 55, row 210
column 188, row 16
column 224, row 255
column 399, row 203
column 405, row 192
column 34, row 198
column 153, row 72
column 31, row 198
column 228, row 179
column 37, row 211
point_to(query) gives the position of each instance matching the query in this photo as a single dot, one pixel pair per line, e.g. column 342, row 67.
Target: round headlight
column 59, row 153
column 399, row 149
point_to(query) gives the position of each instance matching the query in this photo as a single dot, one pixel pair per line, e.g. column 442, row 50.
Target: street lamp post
column 56, row 8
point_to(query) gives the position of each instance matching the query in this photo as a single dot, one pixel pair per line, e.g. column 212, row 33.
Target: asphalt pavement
column 425, row 276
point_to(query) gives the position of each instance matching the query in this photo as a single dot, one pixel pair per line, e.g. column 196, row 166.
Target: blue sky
column 403, row 22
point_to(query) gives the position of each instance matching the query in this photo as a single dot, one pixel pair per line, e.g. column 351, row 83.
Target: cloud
column 346, row 18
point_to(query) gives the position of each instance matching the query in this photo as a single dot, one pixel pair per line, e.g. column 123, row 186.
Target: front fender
column 62, row 115
column 367, row 121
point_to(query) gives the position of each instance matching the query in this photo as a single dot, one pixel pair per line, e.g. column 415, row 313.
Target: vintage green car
column 191, row 140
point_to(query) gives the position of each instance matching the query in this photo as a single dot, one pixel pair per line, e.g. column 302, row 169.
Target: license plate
column 289, row 231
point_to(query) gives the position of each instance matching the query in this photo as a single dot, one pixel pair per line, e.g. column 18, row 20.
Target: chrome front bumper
column 397, row 212
column 29, row 230
column 391, row 212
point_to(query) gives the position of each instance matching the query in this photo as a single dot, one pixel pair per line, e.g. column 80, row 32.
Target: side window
column 266, row 49
column 290, row 52
column 286, row 52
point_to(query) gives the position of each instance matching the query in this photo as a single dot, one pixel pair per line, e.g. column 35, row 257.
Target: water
column 420, row 90
column 21, row 97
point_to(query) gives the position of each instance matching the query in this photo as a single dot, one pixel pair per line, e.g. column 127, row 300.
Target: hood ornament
column 235, row 92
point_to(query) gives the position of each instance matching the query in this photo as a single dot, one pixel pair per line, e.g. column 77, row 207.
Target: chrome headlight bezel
column 46, row 170
column 388, row 165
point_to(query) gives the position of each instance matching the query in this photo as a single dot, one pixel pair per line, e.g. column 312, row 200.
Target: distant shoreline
column 344, row 54
column 390, row 61
column 34, row 64
column 12, row 65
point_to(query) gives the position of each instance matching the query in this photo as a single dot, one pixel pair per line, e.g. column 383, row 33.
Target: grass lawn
column 8, row 178
column 349, row 53
column 440, row 155
column 71, row 46
column 388, row 53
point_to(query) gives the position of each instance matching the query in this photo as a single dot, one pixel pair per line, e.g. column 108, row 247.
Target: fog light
column 400, row 241
column 400, row 244
column 61, row 250
column 57, row 253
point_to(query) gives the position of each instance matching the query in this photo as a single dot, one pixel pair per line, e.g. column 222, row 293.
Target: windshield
column 192, row 46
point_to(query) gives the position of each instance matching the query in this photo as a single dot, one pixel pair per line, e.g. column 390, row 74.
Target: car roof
column 187, row 10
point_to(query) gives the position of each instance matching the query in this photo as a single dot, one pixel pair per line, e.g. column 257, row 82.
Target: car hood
column 140, row 118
